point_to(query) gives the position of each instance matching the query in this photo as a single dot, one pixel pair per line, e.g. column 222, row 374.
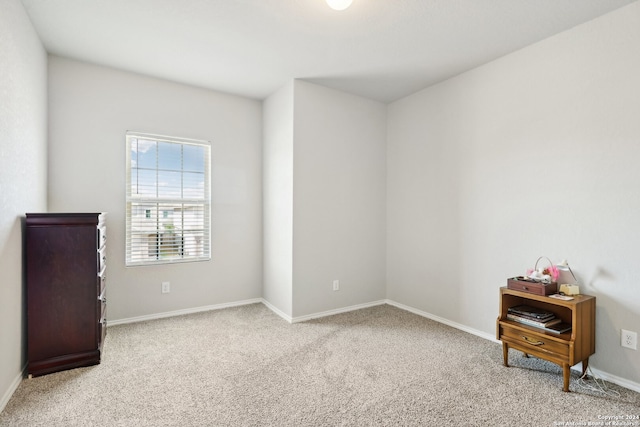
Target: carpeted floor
column 245, row 366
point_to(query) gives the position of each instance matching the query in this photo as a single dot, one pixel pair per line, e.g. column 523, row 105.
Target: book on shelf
column 531, row 312
column 532, row 322
column 558, row 328
column 534, row 319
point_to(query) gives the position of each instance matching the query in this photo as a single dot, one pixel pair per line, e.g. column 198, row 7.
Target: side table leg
column 505, row 353
column 585, row 365
column 566, row 375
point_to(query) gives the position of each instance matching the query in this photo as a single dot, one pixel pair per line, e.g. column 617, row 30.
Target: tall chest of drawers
column 65, row 258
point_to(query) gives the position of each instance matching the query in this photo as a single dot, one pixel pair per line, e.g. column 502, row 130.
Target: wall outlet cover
column 629, row 339
column 166, row 287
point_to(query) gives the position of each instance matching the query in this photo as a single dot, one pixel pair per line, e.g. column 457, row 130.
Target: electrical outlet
column 166, row 287
column 629, row 339
column 336, row 285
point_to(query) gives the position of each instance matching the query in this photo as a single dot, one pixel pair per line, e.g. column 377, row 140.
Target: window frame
column 201, row 206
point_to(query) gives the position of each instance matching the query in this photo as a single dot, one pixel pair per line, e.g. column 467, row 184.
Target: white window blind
column 168, row 217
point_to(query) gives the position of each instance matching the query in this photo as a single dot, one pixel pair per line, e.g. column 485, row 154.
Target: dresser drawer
column 102, row 236
column 102, row 284
column 102, row 258
column 535, row 341
column 102, row 325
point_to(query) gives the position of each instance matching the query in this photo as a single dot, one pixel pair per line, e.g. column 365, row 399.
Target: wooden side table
column 566, row 349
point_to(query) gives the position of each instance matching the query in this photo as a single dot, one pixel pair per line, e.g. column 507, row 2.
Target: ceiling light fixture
column 339, row 4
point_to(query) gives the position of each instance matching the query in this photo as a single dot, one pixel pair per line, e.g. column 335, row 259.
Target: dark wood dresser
column 66, row 284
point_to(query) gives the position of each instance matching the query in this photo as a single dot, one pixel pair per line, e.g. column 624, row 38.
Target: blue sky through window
column 167, row 170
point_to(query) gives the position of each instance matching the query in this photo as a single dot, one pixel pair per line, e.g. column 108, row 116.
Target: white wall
column 533, row 154
column 23, row 171
column 91, row 108
column 338, row 199
column 277, row 169
column 324, row 200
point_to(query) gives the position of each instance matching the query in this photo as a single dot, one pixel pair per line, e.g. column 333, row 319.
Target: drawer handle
column 532, row 342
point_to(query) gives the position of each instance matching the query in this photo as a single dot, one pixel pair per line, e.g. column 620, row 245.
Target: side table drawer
column 535, row 341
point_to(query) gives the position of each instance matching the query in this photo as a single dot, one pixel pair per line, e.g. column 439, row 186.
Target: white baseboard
column 12, row 389
column 337, row 311
column 622, row 382
column 183, row 312
column 439, row 319
column 277, row 311
column 322, row 313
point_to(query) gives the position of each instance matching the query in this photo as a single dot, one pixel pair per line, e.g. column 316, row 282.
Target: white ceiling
column 380, row 49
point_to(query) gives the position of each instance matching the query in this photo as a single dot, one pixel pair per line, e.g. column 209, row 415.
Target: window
column 168, row 199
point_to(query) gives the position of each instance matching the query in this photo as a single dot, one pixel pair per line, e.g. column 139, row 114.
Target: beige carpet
column 245, row 366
